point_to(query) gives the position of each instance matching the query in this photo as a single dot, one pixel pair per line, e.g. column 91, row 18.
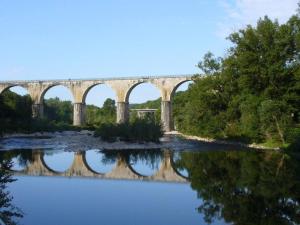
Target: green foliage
column 210, row 65
column 150, row 157
column 245, row 187
column 15, row 112
column 253, row 94
column 152, row 104
column 8, row 212
column 140, row 130
column 16, row 115
column 293, row 137
column 58, row 111
column 96, row 116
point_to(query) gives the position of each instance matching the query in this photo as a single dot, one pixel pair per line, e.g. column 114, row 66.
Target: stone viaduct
column 167, row 86
column 122, row 169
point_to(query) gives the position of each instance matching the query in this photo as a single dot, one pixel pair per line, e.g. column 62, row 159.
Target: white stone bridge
column 122, row 169
column 167, row 86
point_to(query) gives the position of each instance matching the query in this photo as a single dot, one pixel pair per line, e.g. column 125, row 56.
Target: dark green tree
column 245, row 187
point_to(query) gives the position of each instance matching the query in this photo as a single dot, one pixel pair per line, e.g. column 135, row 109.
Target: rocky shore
column 85, row 140
column 221, row 142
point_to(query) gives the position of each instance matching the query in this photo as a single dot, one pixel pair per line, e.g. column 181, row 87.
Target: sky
column 62, row 39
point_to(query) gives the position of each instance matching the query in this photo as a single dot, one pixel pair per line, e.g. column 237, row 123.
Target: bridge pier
column 122, row 112
column 78, row 114
column 37, row 110
column 166, row 115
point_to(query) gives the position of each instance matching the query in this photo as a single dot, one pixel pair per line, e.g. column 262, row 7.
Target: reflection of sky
column 59, row 161
column 181, row 171
column 50, row 200
column 94, row 160
column 16, row 165
column 144, row 168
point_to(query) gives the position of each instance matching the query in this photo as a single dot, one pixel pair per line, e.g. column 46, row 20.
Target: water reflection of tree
column 245, row 187
column 8, row 212
column 23, row 156
column 151, row 158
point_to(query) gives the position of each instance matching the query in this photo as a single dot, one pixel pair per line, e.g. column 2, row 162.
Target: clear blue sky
column 92, row 38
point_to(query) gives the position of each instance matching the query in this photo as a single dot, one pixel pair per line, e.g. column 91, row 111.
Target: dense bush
column 140, row 130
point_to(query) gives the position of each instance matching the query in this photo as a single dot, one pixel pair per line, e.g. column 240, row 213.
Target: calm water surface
column 149, row 187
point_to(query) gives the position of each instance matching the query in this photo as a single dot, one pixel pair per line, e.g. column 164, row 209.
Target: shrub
column 139, row 130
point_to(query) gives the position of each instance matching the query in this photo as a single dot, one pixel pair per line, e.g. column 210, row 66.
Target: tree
column 252, row 94
column 245, row 187
column 8, row 212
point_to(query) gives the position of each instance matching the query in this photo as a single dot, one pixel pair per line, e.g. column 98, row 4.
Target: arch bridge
column 167, row 86
column 122, row 169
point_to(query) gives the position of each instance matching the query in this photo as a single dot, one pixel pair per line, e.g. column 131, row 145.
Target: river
column 46, row 182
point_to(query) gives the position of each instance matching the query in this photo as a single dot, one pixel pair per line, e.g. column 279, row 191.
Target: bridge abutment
column 78, row 114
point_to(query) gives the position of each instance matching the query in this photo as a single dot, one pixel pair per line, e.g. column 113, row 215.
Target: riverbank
column 222, row 142
column 85, row 140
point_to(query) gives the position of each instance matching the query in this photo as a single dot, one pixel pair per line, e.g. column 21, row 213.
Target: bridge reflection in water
column 123, row 169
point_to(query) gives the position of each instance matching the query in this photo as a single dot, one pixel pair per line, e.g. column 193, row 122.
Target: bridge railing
column 102, row 79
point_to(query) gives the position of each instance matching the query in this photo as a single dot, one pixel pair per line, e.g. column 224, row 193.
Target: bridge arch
column 20, row 100
column 88, row 167
column 50, row 86
column 58, row 93
column 173, row 164
column 58, row 161
column 95, row 96
column 129, row 91
column 88, row 89
column 145, row 162
column 142, row 92
column 91, row 157
column 178, row 85
column 6, row 87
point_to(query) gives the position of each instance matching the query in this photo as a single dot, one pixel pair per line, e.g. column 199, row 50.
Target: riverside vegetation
column 251, row 95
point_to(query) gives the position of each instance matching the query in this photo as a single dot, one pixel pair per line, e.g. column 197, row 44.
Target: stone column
column 38, row 110
column 122, row 112
column 79, row 114
column 166, row 115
